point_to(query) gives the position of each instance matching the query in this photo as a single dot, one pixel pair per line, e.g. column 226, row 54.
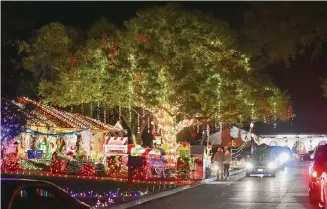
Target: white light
column 272, row 165
column 284, row 157
column 214, row 168
column 248, row 165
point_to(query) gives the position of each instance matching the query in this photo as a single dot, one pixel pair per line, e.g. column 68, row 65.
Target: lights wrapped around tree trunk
column 104, row 116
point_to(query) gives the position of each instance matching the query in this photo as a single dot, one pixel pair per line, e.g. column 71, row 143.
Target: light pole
column 252, row 140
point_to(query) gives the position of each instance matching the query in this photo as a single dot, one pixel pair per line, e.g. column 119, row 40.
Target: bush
column 73, row 167
column 100, row 169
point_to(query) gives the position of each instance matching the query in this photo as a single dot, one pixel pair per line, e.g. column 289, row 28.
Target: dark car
column 283, row 155
column 34, row 194
column 262, row 162
column 305, row 156
column 318, row 159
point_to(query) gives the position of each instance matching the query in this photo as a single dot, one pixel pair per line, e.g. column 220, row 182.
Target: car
column 35, row 194
column 283, row 154
column 262, row 162
column 315, row 170
column 323, row 186
column 305, row 156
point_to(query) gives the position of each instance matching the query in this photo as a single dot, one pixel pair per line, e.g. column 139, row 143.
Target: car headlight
column 272, row 165
column 283, row 157
column 248, row 165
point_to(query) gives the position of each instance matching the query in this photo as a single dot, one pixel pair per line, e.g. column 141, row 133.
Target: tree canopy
column 277, row 32
column 166, row 55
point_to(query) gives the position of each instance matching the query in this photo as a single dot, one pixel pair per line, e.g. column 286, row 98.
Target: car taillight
column 314, row 174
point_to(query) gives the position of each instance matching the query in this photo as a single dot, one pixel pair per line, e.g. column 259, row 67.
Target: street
column 287, row 190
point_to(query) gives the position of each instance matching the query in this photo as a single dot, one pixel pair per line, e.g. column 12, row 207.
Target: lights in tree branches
column 98, row 111
column 138, row 123
column 91, row 110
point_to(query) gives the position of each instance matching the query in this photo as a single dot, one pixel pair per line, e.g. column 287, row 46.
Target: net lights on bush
column 11, row 163
column 88, row 169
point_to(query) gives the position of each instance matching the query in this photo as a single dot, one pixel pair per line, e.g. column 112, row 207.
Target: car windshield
column 9, row 187
column 262, row 155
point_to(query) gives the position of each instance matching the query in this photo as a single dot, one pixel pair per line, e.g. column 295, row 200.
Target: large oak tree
column 181, row 66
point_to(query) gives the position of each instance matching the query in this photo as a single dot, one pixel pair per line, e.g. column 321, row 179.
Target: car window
column 320, row 156
column 38, row 197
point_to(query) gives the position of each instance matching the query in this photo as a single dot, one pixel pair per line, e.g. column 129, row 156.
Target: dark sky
column 19, row 19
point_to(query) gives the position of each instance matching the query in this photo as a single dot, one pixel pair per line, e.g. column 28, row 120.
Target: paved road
column 287, row 191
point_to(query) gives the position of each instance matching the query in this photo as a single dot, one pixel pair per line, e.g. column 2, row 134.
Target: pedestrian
column 227, row 161
column 218, row 160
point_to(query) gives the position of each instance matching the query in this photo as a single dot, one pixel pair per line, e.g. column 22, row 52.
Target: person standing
column 219, row 159
column 227, row 161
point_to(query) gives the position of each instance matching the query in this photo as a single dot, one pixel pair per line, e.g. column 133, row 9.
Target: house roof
column 50, row 117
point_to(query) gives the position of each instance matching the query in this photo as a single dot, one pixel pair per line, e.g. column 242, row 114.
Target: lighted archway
column 322, row 142
column 273, row 143
column 299, row 147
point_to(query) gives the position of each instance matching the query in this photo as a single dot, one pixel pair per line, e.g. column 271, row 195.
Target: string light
column 138, row 123
column 91, row 110
column 82, row 108
column 49, row 174
column 130, row 114
column 88, row 169
column 105, row 116
column 98, row 110
column 149, row 124
column 275, row 116
column 219, row 97
column 45, row 116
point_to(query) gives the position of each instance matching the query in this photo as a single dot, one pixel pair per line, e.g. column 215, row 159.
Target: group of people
column 222, row 160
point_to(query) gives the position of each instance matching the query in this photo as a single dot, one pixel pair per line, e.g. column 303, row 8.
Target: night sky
column 21, row 19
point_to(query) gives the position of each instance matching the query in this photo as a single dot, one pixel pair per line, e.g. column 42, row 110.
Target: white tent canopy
column 235, row 133
column 215, row 138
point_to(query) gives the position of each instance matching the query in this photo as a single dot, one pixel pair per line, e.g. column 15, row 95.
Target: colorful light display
column 88, row 169
column 165, row 123
column 149, row 181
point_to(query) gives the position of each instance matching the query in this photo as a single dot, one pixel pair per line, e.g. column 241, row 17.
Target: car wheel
column 247, row 174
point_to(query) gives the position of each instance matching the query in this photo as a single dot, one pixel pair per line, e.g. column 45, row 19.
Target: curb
column 151, row 197
column 166, row 193
column 233, row 173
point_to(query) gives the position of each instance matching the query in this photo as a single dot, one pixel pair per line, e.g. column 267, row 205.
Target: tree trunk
column 169, row 130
